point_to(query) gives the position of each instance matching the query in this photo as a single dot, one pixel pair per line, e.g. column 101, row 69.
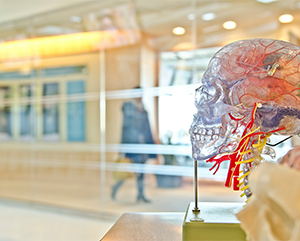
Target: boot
column 141, row 198
column 115, row 188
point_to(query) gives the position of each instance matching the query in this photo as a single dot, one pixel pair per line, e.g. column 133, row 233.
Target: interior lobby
column 67, row 70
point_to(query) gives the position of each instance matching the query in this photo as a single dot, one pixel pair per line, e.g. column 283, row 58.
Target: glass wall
column 96, row 100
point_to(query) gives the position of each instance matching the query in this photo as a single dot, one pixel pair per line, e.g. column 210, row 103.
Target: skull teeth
column 202, row 131
column 209, row 132
column 202, row 135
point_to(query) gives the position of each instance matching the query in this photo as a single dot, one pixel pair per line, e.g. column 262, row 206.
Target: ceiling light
column 191, row 16
column 75, row 19
column 229, row 25
column 286, row 18
column 178, row 31
column 266, row 1
column 208, row 16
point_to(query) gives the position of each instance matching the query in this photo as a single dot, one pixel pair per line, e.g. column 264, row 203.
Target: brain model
column 249, row 91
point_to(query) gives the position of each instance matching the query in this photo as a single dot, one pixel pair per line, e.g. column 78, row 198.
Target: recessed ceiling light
column 286, row 18
column 208, row 16
column 229, row 25
column 191, row 16
column 178, row 31
column 75, row 19
column 266, row 1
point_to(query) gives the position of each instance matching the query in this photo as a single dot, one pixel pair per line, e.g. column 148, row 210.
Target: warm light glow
column 286, row 18
column 183, row 46
column 229, row 25
column 50, row 46
column 266, row 1
column 178, row 31
column 61, row 45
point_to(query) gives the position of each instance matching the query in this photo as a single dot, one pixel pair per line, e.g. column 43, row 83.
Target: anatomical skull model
column 249, row 92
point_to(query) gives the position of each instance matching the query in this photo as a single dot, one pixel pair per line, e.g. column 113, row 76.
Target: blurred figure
column 135, row 130
column 291, row 159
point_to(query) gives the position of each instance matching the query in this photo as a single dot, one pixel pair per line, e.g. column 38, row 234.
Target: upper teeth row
column 207, row 132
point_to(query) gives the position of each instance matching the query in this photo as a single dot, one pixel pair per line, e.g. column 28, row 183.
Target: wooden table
column 145, row 226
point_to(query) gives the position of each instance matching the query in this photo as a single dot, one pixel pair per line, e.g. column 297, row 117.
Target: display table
column 147, row 226
column 218, row 223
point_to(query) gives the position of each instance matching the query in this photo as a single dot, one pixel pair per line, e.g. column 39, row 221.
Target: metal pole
column 196, row 209
column 195, row 76
column 102, row 130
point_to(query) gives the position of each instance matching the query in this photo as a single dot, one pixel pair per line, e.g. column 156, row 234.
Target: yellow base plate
column 215, row 221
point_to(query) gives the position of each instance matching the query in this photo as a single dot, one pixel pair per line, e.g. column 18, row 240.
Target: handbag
column 121, row 175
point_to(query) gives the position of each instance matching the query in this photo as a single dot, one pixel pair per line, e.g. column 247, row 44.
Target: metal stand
column 196, row 209
column 220, row 222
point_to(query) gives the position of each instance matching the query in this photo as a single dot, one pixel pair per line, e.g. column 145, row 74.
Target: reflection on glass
column 50, row 114
column 177, row 107
column 5, row 114
column 27, row 120
column 177, row 68
column 63, row 58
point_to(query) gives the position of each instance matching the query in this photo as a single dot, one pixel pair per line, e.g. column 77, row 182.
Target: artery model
column 249, row 91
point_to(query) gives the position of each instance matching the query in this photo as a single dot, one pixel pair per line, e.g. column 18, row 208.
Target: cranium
column 249, row 91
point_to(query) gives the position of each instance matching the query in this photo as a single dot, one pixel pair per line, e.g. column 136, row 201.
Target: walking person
column 135, row 130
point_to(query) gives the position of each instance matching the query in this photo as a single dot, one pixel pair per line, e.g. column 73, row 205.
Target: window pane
column 27, row 114
column 50, row 113
column 5, row 113
column 76, row 112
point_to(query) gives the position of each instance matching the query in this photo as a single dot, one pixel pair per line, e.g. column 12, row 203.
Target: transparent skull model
column 249, row 91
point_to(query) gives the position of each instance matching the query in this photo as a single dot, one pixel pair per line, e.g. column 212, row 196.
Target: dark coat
column 136, row 130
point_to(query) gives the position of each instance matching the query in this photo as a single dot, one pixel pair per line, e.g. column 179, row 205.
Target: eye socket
column 204, row 94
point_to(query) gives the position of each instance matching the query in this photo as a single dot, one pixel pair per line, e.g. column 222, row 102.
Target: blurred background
column 66, row 70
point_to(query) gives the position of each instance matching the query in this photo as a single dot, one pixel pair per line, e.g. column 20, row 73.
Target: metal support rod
column 102, row 105
column 196, row 209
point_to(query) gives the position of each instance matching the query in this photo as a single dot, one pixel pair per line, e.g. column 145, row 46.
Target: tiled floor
column 23, row 222
column 72, row 210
